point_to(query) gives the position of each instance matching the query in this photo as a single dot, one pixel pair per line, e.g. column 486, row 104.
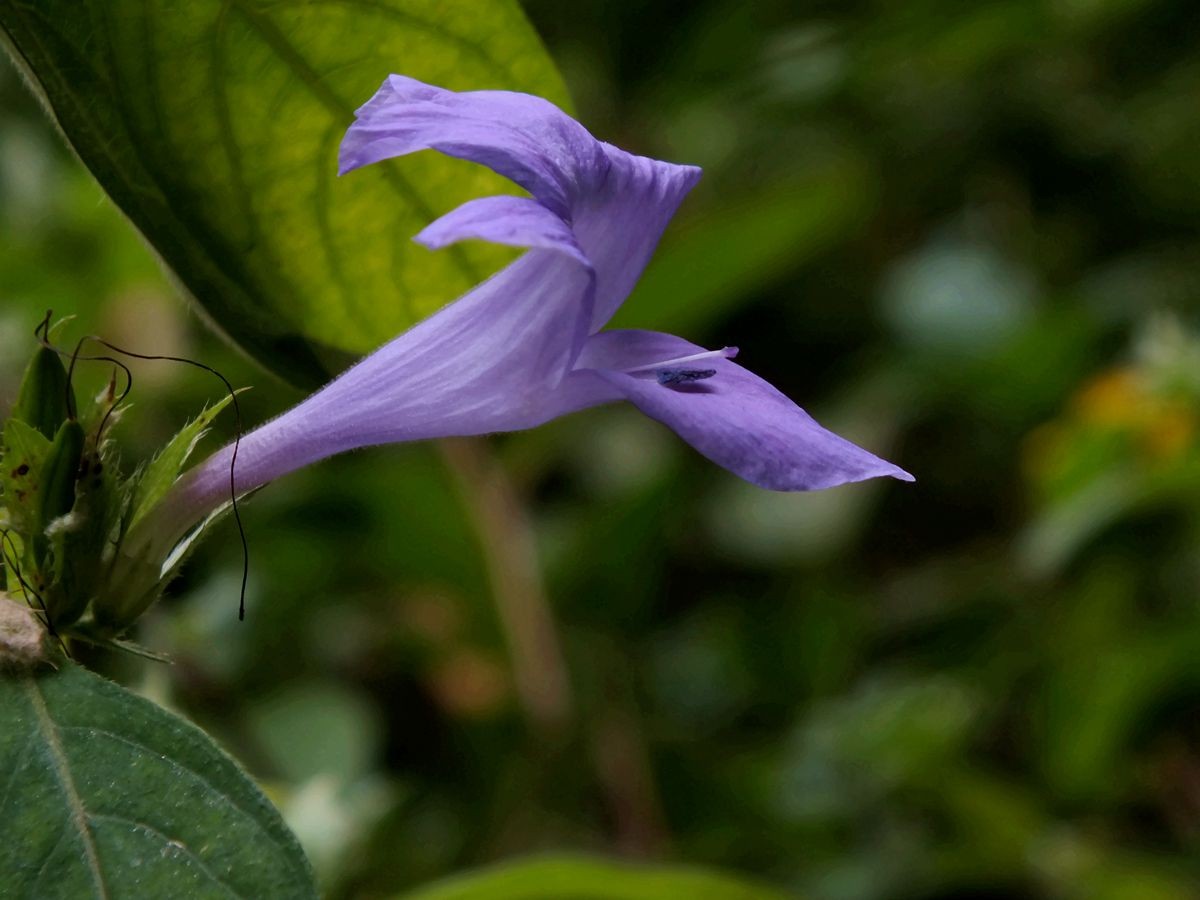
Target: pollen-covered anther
column 676, row 371
column 672, row 377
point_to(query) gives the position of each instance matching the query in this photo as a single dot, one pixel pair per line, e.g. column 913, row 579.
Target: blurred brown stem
column 510, row 553
column 629, row 784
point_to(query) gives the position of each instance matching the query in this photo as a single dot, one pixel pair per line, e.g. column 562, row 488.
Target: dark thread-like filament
column 41, row 611
column 42, row 332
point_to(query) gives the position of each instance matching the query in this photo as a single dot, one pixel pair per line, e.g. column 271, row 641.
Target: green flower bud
column 43, row 399
column 59, row 473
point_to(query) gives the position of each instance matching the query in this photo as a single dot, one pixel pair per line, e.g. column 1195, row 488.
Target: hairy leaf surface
column 103, row 794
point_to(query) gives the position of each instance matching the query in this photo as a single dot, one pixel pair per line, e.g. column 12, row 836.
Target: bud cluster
column 66, row 507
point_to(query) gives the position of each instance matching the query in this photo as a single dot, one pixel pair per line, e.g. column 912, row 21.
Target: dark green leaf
column 215, row 127
column 106, row 795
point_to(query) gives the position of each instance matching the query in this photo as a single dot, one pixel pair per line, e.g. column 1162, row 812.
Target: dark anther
column 671, row 377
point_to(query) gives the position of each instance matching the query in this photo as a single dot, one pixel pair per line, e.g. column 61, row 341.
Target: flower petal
column 619, row 224
column 733, row 417
column 526, row 139
column 617, row 204
column 518, row 222
column 514, row 221
column 494, row 360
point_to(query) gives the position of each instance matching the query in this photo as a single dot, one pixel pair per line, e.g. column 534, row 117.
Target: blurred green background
column 963, row 234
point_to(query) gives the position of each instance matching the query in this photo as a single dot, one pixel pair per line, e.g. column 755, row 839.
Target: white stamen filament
column 723, row 353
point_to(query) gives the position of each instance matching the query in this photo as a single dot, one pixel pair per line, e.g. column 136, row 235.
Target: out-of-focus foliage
column 963, row 233
column 587, row 879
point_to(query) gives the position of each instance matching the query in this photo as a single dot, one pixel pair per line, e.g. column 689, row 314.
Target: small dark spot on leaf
column 22, row 469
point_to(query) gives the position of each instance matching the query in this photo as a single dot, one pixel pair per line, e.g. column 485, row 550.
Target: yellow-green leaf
column 214, row 124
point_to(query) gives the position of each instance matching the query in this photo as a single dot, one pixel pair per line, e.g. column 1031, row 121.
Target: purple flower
column 527, row 345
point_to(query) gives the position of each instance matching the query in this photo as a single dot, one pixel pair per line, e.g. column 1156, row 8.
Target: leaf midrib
column 62, row 773
column 167, row 841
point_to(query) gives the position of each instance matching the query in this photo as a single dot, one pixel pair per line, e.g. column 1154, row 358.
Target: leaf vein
column 17, row 768
column 343, row 113
column 324, row 226
column 150, row 751
column 220, row 98
column 407, row 18
column 41, row 872
column 62, row 772
column 167, row 842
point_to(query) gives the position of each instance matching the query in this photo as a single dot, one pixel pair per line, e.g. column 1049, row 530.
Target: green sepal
column 152, row 482
column 137, row 582
column 133, row 589
column 45, row 398
column 91, row 633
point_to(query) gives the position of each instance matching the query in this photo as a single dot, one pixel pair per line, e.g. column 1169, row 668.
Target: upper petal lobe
column 616, row 204
column 526, row 139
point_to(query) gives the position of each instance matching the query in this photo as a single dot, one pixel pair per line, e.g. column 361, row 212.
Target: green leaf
column 156, row 479
column 25, row 450
column 580, row 878
column 215, row 125
column 106, row 795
